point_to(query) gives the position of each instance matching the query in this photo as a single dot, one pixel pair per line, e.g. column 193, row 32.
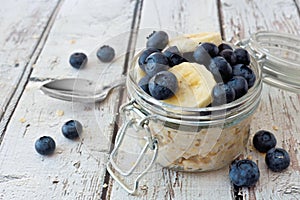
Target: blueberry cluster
column 159, row 82
column 45, row 145
column 105, row 53
column 277, row 159
column 230, row 68
column 245, row 173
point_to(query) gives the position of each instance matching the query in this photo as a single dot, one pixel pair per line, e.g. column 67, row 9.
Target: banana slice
column 195, row 84
column 188, row 42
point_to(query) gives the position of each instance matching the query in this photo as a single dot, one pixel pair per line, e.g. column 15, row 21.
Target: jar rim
column 256, row 41
column 279, row 57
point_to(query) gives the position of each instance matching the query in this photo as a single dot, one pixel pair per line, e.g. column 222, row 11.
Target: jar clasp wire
column 151, row 144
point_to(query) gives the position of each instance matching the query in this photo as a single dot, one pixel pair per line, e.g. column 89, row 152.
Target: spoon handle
column 116, row 83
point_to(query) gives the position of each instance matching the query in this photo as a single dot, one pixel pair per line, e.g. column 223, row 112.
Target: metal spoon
column 84, row 91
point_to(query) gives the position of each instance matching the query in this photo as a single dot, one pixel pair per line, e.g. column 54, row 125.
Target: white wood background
column 36, row 40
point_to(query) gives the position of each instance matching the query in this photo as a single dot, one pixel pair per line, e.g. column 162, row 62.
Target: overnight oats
column 195, row 96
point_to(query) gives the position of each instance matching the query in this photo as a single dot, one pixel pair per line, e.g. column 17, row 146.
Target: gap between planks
column 297, row 4
column 129, row 55
column 220, row 16
column 20, row 87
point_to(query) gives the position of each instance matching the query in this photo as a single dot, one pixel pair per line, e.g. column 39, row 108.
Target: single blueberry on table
column 224, row 46
column 239, row 84
column 277, row 159
column 144, row 55
column 144, row 83
column 158, row 40
column 106, row 53
column 163, row 85
column 72, row 129
column 155, row 63
column 222, row 94
column 221, row 69
column 45, row 145
column 242, row 56
column 229, row 56
column 246, row 72
column 244, row 173
column 78, row 60
column 264, row 140
column 205, row 52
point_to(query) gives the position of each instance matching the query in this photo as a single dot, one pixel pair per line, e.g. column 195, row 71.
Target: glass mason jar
column 202, row 139
column 197, row 139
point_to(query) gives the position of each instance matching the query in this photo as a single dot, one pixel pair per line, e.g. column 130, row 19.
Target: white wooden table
column 36, row 40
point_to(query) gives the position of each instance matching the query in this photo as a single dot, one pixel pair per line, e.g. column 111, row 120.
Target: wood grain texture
column 279, row 109
column 22, row 26
column 179, row 17
column 77, row 168
column 242, row 19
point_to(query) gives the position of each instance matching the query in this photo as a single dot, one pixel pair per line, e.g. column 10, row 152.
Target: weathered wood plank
column 22, row 26
column 242, row 19
column 278, row 111
column 182, row 17
column 77, row 168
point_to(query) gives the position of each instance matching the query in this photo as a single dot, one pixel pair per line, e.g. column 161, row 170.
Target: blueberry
column 244, row 173
column 173, row 49
column 263, row 141
column 239, row 84
column 222, row 93
column 155, row 63
column 224, row 46
column 210, row 48
column 45, row 145
column 72, row 129
column 144, row 55
column 242, row 56
column 220, row 68
column 106, row 53
column 229, row 56
column 78, row 60
column 204, row 52
column 158, row 40
column 144, row 83
column 246, row 72
column 163, row 85
column 174, row 58
column 189, row 56
column 277, row 159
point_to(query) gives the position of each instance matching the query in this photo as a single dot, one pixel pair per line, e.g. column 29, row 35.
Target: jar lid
column 279, row 57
